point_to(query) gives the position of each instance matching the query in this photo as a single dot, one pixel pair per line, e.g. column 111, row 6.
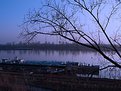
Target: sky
column 12, row 14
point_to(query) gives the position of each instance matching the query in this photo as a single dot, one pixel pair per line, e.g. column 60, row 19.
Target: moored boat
column 48, row 67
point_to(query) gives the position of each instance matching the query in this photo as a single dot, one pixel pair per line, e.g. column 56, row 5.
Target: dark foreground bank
column 25, row 77
column 13, row 81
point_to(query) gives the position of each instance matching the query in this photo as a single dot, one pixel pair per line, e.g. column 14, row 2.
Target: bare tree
column 85, row 22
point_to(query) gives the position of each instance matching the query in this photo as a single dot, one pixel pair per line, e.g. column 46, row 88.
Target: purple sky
column 12, row 14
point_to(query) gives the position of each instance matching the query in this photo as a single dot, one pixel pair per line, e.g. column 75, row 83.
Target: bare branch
column 61, row 19
column 113, row 11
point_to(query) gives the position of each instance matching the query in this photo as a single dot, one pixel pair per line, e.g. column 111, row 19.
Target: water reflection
column 88, row 57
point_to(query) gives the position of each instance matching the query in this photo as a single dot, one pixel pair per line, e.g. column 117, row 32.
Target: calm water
column 92, row 58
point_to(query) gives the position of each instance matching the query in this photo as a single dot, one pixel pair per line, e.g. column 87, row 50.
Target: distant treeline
column 46, row 46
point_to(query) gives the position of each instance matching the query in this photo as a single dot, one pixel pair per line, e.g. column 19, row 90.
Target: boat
column 16, row 60
column 48, row 67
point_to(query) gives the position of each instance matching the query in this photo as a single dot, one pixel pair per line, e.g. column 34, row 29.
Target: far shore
column 54, row 47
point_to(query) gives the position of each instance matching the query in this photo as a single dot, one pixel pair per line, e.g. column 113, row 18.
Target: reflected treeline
column 48, row 46
column 39, row 52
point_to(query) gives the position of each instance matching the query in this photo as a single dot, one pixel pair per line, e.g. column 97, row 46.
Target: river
column 86, row 57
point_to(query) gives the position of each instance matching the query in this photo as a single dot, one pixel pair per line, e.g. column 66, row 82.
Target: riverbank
column 15, row 81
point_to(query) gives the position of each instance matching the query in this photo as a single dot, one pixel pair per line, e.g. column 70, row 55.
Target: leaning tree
column 89, row 23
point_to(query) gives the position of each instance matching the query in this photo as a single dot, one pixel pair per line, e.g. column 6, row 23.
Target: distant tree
column 85, row 22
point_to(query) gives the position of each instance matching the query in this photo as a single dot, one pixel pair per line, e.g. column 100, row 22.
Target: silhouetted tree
column 85, row 22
